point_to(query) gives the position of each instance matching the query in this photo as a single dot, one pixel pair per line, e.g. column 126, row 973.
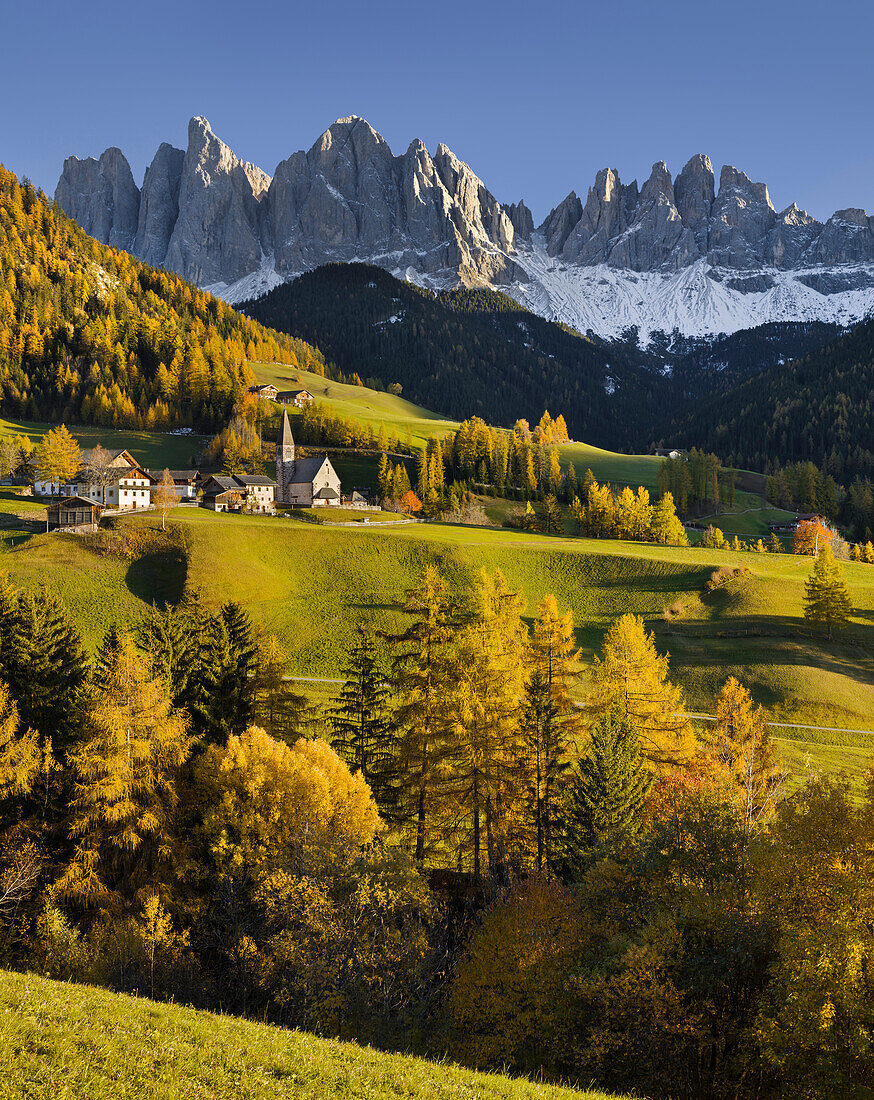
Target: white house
column 128, row 490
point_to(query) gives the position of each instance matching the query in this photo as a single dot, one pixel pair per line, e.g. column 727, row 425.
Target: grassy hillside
column 360, row 403
column 311, row 585
column 78, row 1043
column 618, row 469
column 154, row 449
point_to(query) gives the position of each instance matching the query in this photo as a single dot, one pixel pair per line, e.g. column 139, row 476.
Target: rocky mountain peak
column 226, row 224
column 102, row 196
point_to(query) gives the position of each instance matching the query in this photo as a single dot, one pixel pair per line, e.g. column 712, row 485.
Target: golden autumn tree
column 19, row 750
column 487, row 782
column 631, row 676
column 126, row 770
column 423, row 678
column 813, row 882
column 810, row 536
column 164, row 497
column 57, row 457
column 268, row 805
column 507, row 1005
column 550, row 720
column 743, row 746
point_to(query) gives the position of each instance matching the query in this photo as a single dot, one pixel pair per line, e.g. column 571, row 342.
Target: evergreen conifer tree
column 608, row 789
column 361, row 724
column 826, row 598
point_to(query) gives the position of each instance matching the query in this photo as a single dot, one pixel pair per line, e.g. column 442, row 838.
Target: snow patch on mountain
column 698, row 300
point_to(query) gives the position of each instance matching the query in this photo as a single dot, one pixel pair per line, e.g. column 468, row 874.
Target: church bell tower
column 284, row 459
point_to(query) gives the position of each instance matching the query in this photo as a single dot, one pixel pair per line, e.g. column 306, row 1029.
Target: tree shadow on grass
column 757, row 640
column 158, row 577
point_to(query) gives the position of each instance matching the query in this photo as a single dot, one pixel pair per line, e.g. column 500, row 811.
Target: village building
column 268, row 392
column 75, row 513
column 307, row 482
column 128, row 490
column 298, row 398
column 239, row 493
column 185, row 482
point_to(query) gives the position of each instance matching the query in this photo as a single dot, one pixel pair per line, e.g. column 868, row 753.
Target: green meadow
column 360, row 403
column 155, row 450
column 311, row 586
column 79, row 1043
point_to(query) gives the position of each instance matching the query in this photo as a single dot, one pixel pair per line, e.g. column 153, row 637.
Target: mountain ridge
column 676, row 253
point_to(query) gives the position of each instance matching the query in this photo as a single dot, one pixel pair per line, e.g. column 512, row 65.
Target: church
column 308, row 482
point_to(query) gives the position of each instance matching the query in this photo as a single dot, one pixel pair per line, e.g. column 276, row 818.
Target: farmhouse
column 309, row 482
column 76, row 513
column 268, row 392
column 239, row 493
column 128, row 487
column 185, row 482
column 298, row 398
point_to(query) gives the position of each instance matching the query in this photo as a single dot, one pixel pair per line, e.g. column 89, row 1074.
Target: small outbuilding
column 77, row 514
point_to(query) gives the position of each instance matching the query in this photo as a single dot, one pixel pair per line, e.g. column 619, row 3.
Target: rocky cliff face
column 102, row 196
column 691, row 255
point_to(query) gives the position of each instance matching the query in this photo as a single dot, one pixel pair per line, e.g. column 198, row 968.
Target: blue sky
column 536, row 97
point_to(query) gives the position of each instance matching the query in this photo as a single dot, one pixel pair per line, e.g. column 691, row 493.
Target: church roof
column 305, row 469
column 286, row 439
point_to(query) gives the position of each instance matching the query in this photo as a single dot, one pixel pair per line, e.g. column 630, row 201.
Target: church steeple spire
column 284, row 459
column 285, row 443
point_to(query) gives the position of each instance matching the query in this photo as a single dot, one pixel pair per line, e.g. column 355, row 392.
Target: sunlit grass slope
column 400, row 417
column 368, row 406
column 76, row 1043
column 312, row 585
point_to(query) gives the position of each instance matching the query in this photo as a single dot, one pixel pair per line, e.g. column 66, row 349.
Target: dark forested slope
column 467, row 352
column 818, row 408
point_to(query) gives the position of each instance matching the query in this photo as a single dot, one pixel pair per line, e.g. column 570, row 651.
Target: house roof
column 219, row 483
column 305, row 469
column 291, row 394
column 65, row 502
column 177, row 475
column 88, row 452
column 254, row 479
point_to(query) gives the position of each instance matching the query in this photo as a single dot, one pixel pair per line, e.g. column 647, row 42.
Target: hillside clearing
column 71, row 1042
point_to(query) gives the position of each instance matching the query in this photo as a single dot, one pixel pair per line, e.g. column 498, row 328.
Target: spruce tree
column 361, row 723
column 826, row 598
column 608, row 789
column 43, row 664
